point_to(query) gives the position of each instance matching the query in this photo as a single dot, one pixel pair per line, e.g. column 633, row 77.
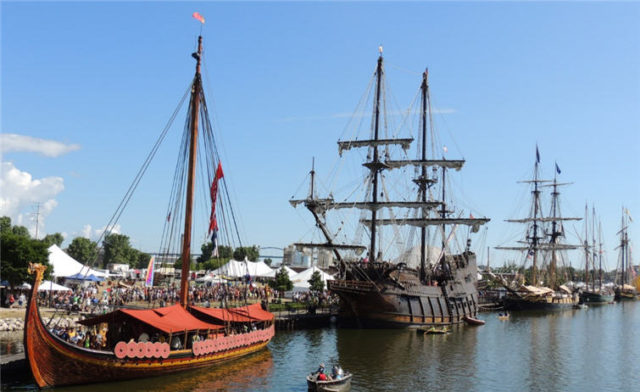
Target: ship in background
column 542, row 246
column 393, row 283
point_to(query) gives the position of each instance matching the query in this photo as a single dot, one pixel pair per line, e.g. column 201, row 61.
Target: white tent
column 290, row 272
column 300, row 281
column 48, row 285
column 65, row 265
column 239, row 269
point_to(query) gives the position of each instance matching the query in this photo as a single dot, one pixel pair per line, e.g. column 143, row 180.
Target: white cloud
column 50, row 148
column 93, row 234
column 21, row 193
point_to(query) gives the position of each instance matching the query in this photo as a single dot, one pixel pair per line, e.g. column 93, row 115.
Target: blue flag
column 558, row 168
column 537, row 155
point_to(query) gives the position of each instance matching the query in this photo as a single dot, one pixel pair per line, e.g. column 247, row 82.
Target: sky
column 86, row 88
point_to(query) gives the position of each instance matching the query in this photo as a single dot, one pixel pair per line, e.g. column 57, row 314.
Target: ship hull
column 371, row 304
column 595, row 298
column 513, row 303
column 55, row 362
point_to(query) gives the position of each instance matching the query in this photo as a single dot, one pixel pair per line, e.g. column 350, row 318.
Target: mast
column 534, row 242
column 423, row 178
column 586, row 249
column 195, row 110
column 554, row 232
column 593, row 247
column 600, row 255
column 375, row 163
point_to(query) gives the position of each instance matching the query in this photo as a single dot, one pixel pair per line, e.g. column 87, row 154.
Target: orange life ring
column 148, row 350
column 165, row 350
column 157, row 350
column 121, row 350
column 141, row 349
column 132, row 347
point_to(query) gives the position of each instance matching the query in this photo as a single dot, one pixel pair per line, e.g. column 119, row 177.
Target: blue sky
column 93, row 84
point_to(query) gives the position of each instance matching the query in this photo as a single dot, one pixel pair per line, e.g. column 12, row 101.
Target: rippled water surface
column 580, row 350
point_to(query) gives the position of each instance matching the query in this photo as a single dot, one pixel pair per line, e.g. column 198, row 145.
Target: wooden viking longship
column 150, row 342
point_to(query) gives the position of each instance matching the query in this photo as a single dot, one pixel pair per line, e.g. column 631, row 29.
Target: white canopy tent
column 48, row 285
column 239, row 269
column 300, row 281
column 290, row 272
column 65, row 265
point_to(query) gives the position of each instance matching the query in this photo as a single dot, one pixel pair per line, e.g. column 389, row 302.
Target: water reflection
column 583, row 350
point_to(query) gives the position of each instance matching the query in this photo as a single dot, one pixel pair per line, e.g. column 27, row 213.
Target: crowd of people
column 101, row 297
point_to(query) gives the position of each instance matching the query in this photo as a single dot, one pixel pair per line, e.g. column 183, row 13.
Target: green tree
column 21, row 231
column 315, row 282
column 268, row 261
column 282, row 282
column 55, row 238
column 225, row 252
column 83, row 249
column 117, row 249
column 16, row 252
column 207, row 250
column 250, row 252
column 5, row 224
column 143, row 260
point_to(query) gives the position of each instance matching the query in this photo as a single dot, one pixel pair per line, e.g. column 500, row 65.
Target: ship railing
column 351, row 284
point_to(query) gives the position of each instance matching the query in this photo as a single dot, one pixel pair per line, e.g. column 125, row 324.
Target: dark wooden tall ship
column 150, row 342
column 542, row 246
column 375, row 289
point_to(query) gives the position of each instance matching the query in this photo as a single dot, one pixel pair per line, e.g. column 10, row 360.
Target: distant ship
column 542, row 246
column 375, row 288
column 627, row 284
column 596, row 294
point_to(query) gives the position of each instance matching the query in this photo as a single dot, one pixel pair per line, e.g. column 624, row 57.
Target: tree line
column 18, row 249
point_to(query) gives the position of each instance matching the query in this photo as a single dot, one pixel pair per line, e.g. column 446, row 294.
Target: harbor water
column 595, row 349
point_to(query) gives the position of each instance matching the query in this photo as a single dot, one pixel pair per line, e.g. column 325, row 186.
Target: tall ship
column 385, row 280
column 627, row 283
column 130, row 343
column 542, row 247
column 593, row 293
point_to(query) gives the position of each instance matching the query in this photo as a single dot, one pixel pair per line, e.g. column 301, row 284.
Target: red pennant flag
column 197, row 15
column 213, row 224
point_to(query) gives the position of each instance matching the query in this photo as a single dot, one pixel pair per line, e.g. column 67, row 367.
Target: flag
column 626, row 211
column 213, row 224
column 531, row 253
column 558, row 168
column 471, row 216
column 445, row 149
column 199, row 17
column 148, row 282
column 537, row 155
column 169, row 217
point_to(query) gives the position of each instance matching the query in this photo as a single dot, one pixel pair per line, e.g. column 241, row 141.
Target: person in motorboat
column 336, row 372
column 320, row 373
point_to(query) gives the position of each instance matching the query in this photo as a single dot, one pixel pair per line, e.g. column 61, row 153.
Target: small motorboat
column 503, row 316
column 341, row 384
column 473, row 321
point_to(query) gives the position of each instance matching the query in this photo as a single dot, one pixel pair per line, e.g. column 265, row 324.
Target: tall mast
column 623, row 249
column 186, row 245
column 593, row 246
column 534, row 242
column 423, row 178
column 554, row 232
column 375, row 163
column 600, row 255
column 586, row 248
